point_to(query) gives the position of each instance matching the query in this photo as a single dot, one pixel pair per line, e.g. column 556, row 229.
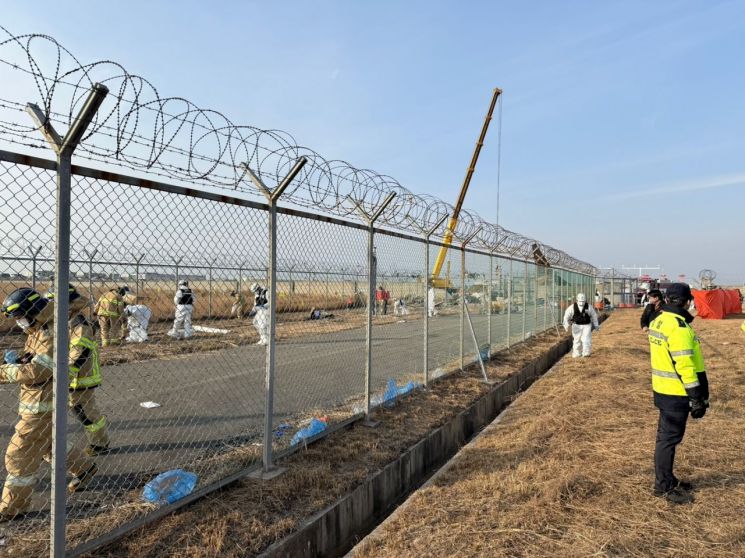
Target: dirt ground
column 246, row 517
column 568, row 470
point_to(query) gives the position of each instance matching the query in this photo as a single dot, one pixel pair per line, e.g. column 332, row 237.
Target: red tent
column 716, row 304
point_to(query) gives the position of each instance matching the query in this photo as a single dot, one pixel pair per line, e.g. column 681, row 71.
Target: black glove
column 698, row 407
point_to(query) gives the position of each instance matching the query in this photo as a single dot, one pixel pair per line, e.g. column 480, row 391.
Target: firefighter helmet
column 24, row 303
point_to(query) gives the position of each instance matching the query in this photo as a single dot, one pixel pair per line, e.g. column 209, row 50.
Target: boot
column 79, row 482
column 675, row 496
column 93, row 451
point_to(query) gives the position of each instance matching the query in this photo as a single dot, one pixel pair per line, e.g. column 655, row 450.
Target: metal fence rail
column 349, row 310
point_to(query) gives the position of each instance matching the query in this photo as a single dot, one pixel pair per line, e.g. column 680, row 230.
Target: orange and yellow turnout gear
column 85, row 377
column 32, row 441
column 110, row 310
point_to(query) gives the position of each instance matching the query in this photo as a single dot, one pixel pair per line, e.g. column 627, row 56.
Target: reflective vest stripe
column 84, row 342
column 665, row 374
column 17, row 480
column 96, row 426
column 657, row 334
column 94, row 379
column 692, row 385
column 108, row 314
column 686, row 352
column 34, row 408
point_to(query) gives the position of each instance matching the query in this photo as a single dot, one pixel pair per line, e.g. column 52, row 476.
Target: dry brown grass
column 248, row 516
column 568, row 470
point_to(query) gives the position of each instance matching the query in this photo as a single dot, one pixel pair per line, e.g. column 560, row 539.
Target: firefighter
column 109, row 310
column 32, row 441
column 85, row 375
column 184, row 301
column 583, row 320
column 260, row 313
column 679, row 384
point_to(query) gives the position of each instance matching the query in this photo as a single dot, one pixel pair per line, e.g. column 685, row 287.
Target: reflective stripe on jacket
column 84, row 366
column 110, row 304
column 675, row 354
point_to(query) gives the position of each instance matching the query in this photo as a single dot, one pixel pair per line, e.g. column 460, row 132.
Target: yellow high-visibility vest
column 675, row 353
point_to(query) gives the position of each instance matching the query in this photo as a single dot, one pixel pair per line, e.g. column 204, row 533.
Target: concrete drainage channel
column 335, row 530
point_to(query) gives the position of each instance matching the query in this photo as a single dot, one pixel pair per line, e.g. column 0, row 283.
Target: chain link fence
column 214, row 376
column 198, row 403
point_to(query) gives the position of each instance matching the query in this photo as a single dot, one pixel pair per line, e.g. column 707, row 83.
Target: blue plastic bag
column 411, row 386
column 11, row 356
column 169, row 487
column 315, row 427
column 391, row 392
column 484, row 353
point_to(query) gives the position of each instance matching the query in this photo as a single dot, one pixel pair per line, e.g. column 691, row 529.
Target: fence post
column 269, row 470
column 463, row 298
column 64, row 148
column 177, row 263
column 553, row 296
column 34, row 255
column 488, row 305
column 427, row 234
column 509, row 307
column 371, row 276
column 545, row 298
column 240, row 277
column 525, row 295
column 138, row 261
column 211, row 264
column 91, row 296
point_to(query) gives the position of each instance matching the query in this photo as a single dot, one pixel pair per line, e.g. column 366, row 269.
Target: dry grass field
column 567, row 471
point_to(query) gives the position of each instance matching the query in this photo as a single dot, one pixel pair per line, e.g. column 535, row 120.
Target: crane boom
column 452, row 223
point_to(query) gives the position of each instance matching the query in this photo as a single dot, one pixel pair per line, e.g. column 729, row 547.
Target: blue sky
column 622, row 134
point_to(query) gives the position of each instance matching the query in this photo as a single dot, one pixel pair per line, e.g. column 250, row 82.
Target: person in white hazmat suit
column 399, row 307
column 184, row 301
column 431, row 308
column 138, row 318
column 583, row 319
column 260, row 313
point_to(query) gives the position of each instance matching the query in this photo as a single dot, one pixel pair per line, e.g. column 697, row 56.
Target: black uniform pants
column 670, row 430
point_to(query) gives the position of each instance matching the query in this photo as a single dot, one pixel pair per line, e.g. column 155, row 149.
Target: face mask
column 24, row 323
column 581, row 304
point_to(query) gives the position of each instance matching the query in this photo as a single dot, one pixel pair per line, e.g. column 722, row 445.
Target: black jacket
column 651, row 311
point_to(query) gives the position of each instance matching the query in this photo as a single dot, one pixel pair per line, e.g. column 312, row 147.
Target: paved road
column 212, row 401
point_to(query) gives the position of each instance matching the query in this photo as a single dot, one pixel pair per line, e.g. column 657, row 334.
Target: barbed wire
column 172, row 137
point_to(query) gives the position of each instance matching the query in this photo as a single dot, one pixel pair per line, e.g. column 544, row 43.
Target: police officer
column 652, row 308
column 680, row 386
column 32, row 371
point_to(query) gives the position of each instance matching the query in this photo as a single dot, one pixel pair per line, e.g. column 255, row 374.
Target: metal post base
column 370, row 423
column 267, row 475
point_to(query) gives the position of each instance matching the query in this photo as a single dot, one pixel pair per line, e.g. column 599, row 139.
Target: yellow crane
column 447, row 240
